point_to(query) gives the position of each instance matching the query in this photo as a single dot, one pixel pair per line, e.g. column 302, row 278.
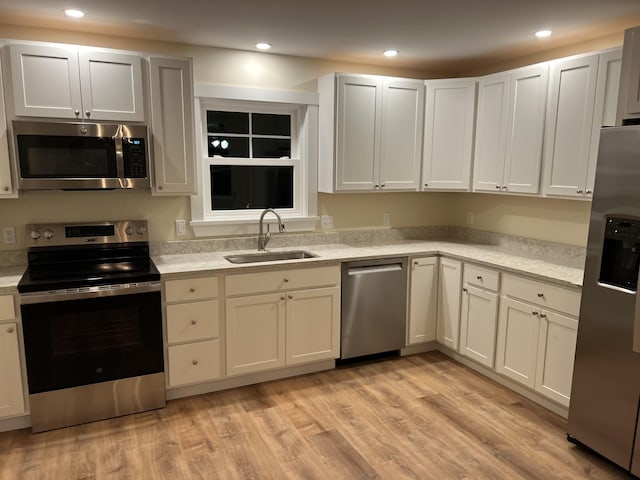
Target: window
column 254, row 155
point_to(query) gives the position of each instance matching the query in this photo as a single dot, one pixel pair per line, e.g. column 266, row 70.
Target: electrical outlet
column 181, row 227
column 469, row 218
column 386, row 219
column 326, row 222
column 9, row 234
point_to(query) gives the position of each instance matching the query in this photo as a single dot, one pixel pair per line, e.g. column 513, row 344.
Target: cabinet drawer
column 481, row 277
column 7, row 309
column 192, row 321
column 261, row 282
column 191, row 289
column 542, row 294
column 194, row 362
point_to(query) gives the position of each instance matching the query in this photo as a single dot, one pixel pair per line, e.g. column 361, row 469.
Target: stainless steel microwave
column 81, row 156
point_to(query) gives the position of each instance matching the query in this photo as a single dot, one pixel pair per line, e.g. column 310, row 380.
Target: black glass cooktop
column 56, row 268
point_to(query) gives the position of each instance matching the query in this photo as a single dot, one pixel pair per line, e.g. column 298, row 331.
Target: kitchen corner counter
column 487, row 255
column 9, row 278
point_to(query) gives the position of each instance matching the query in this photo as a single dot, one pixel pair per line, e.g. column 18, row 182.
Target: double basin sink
column 269, row 256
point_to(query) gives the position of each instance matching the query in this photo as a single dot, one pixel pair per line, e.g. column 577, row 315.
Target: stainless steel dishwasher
column 374, row 306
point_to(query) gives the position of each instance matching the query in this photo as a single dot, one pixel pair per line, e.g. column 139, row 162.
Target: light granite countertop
column 487, row 255
column 214, row 262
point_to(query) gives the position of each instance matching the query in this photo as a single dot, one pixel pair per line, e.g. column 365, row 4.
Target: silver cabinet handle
column 87, row 113
column 5, row 188
column 282, row 297
column 290, row 296
column 465, row 290
column 426, row 184
column 195, row 362
column 192, row 290
column 540, row 294
column 504, row 187
column 535, row 312
column 543, row 315
column 588, row 192
column 160, row 187
column 383, row 185
column 416, row 262
column 77, row 112
column 498, row 187
column 579, row 190
column 286, row 280
column 194, row 322
column 479, row 277
column 10, row 330
column 376, row 186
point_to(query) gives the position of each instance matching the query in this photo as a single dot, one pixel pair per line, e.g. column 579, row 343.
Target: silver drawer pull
column 465, row 290
column 10, row 330
column 479, row 277
column 282, row 297
column 192, row 290
column 540, row 295
column 290, row 296
column 535, row 312
column 286, row 280
column 193, row 322
column 195, row 362
column 543, row 315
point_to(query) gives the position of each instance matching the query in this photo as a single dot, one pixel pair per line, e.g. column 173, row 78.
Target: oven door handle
column 88, row 292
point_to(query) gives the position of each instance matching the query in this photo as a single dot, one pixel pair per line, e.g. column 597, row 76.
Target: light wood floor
column 418, row 417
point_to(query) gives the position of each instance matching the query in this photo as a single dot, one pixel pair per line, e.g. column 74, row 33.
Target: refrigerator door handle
column 636, row 324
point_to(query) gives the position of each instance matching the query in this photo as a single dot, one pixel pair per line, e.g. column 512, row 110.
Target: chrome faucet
column 263, row 238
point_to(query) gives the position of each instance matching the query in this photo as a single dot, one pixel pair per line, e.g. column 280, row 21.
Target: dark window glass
column 237, row 187
column 271, row 147
column 269, row 124
column 228, row 146
column 227, row 122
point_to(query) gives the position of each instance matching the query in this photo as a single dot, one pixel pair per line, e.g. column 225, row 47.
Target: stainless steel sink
column 269, row 256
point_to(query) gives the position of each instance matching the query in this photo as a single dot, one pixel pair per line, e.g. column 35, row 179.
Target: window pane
column 271, row 148
column 269, row 124
column 237, row 187
column 228, row 146
column 227, row 122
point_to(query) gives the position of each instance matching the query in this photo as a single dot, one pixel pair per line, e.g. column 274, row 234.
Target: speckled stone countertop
column 487, row 255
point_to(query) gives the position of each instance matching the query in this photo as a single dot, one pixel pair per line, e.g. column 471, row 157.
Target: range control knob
column 141, row 229
column 129, row 230
column 35, row 234
column 48, row 234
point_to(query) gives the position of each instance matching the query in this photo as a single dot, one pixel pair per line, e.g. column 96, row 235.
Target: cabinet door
column 572, row 89
column 423, row 300
column 629, row 100
column 313, row 325
column 172, row 126
column 478, row 324
column 6, row 181
column 401, row 135
column 491, row 132
column 556, row 352
column 527, row 107
column 448, row 139
column 46, row 81
column 358, row 115
column 517, row 346
column 606, row 104
column 449, row 289
column 255, row 333
column 111, row 86
column 11, row 393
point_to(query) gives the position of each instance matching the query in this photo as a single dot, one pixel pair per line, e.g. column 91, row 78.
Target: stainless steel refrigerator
column 605, row 394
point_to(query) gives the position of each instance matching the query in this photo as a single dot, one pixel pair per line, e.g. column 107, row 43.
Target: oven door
column 74, row 339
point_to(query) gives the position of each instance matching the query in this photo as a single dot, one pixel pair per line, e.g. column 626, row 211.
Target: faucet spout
column 263, row 238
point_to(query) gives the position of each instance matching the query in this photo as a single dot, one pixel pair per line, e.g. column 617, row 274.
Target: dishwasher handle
column 395, row 267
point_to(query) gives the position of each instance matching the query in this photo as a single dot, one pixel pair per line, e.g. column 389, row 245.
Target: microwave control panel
column 134, row 157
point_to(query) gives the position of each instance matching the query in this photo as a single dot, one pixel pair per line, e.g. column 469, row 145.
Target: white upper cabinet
column 370, row 133
column 629, row 99
column 171, row 94
column 570, row 109
column 6, row 181
column 448, row 139
column 59, row 82
column 606, row 104
column 509, row 132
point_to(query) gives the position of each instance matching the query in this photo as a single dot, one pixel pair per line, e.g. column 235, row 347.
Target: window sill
column 212, row 228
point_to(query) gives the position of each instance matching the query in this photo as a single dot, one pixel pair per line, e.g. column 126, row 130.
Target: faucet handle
column 281, row 227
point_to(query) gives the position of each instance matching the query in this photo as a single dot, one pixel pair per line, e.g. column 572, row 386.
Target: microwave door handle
column 117, row 140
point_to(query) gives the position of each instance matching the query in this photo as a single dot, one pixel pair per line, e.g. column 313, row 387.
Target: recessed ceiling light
column 391, row 53
column 70, row 12
column 543, row 33
column 263, row 46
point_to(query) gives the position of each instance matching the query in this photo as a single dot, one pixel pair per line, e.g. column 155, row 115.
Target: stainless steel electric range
column 92, row 320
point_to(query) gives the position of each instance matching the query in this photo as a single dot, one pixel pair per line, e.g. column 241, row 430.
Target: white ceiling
column 430, row 34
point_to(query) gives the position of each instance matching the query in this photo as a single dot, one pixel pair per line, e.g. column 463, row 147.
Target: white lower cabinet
column 11, row 392
column 297, row 323
column 423, row 300
column 537, row 336
column 449, row 289
column 193, row 330
column 479, row 315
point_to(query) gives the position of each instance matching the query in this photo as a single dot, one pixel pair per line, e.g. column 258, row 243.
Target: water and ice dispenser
column 621, row 253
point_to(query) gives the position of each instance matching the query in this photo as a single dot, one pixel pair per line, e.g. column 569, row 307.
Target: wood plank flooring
column 418, row 417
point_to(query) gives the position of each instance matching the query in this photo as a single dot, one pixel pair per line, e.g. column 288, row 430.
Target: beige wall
column 563, row 221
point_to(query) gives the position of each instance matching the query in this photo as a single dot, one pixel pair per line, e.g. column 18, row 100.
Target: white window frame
column 303, row 108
